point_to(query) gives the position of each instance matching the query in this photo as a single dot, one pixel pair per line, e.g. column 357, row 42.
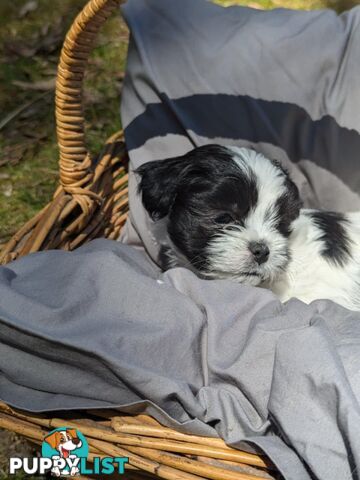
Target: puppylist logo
column 64, row 453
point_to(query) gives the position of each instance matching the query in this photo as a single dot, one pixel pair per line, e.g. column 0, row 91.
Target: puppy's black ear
column 292, row 196
column 158, row 185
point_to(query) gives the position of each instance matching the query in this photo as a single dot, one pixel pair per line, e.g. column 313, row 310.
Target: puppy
column 231, row 213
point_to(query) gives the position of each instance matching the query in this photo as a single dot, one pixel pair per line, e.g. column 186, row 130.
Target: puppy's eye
column 224, row 219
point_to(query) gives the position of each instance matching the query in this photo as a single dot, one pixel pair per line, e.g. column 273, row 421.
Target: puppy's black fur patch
column 337, row 243
column 197, row 191
column 288, row 209
column 289, row 204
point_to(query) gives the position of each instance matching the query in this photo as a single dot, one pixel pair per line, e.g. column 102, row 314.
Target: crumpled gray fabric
column 103, row 327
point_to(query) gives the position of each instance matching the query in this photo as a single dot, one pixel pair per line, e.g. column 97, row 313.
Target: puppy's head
column 64, row 441
column 229, row 210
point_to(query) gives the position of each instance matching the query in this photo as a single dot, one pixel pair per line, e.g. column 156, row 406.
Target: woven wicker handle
column 75, row 161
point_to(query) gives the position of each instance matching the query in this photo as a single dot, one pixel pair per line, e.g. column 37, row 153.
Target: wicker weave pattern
column 75, row 162
column 91, row 201
column 150, row 447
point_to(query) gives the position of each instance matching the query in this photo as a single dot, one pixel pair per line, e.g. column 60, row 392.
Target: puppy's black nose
column 260, row 251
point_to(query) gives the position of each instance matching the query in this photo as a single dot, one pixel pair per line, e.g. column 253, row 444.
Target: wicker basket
column 91, row 201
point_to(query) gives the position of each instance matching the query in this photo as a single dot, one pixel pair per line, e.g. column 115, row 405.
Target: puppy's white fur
column 309, row 276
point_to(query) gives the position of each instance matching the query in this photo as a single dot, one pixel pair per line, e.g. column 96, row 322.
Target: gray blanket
column 103, row 327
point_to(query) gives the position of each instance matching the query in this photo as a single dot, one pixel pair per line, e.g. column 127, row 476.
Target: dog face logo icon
column 64, row 441
column 65, row 446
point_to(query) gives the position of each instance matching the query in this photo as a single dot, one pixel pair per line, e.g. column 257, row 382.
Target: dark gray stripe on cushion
column 283, row 124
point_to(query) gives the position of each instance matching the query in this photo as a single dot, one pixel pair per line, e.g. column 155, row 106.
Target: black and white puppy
column 232, row 213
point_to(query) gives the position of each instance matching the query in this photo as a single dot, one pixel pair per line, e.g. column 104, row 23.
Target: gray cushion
column 284, row 82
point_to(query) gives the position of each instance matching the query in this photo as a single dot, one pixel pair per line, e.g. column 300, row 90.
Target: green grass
column 338, row 5
column 28, row 165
